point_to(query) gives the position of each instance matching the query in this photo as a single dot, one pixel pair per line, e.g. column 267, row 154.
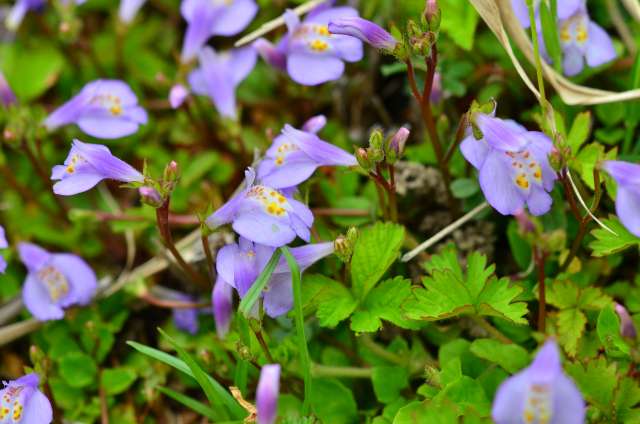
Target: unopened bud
column 171, row 172
column 376, row 139
column 344, row 244
column 375, row 155
column 363, row 159
column 150, row 196
column 627, row 328
column 432, row 15
column 398, row 140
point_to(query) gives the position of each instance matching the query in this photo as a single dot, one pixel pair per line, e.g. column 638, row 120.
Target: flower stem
column 171, row 304
column 327, row 371
column 263, row 345
column 207, row 253
column 493, row 332
column 393, row 198
column 536, row 52
column 539, row 257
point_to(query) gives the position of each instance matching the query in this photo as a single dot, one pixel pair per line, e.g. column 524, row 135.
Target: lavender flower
column 22, row 402
column 7, row 98
column 177, row 95
column 365, row 31
column 627, row 327
column 3, row 245
column 264, row 215
column 87, row 165
column 295, row 155
column 539, row 393
column 311, row 53
column 206, row 18
column 185, row 319
column 513, row 164
column 102, row 109
column 219, row 75
column 222, row 304
column 627, row 176
column 240, row 264
column 399, row 140
column 55, row 281
column 19, row 10
column 128, row 10
column 566, row 8
column 267, row 394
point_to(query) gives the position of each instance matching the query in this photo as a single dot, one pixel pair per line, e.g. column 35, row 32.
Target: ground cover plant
column 280, row 211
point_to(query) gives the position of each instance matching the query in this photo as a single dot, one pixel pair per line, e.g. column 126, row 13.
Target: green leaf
column 608, row 329
column 333, row 301
column 579, row 130
column 571, row 323
column 550, row 35
column 511, row 357
column 427, row 412
column 181, row 366
column 463, row 188
column 117, row 380
column 467, row 393
column 190, row 403
column 333, row 403
column 627, row 396
column 252, row 296
column 78, row 369
column 384, row 302
column 450, row 293
column 459, row 22
column 388, row 382
column 587, row 159
column 597, row 382
column 606, row 243
column 31, row 70
column 375, row 250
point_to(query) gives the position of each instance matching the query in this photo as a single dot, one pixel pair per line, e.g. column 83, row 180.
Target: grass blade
column 189, row 402
column 252, row 296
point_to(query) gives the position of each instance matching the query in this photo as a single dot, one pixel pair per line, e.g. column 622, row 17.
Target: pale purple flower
column 264, row 215
column 19, row 10
column 513, row 164
column 295, row 155
column 627, row 327
column 150, row 196
column 267, row 394
column 539, row 393
column 21, row 402
column 7, row 97
column 220, row 73
column 399, row 140
column 240, row 264
column 311, row 53
column 129, row 9
column 102, row 109
column 55, row 281
column 88, row 164
column 627, row 176
column 275, row 56
column 222, row 306
column 365, row 31
column 206, row 18
column 185, row 319
column 177, row 95
column 566, row 8
column 436, row 89
column 3, row 245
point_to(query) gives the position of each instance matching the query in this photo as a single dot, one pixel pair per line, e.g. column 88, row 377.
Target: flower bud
column 627, row 328
column 344, row 244
column 171, row 172
column 363, row 159
column 398, row 140
column 177, row 95
column 150, row 196
column 432, row 15
column 365, row 31
column 267, row 394
column 376, row 139
column 7, row 98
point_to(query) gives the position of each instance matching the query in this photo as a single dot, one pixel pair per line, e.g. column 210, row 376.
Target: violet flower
column 7, row 97
column 310, row 53
column 19, row 10
column 185, row 319
column 627, row 177
column 206, row 18
column 240, row 264
column 627, row 327
column 222, row 306
column 177, row 95
column 129, row 9
column 264, row 215
column 267, row 394
column 88, row 164
column 102, row 109
column 513, row 164
column 541, row 393
column 22, row 402
column 566, row 8
column 295, row 155
column 55, row 281
column 219, row 74
column 365, row 31
column 3, row 245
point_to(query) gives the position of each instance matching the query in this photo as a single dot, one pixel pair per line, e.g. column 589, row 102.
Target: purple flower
column 206, row 18
column 365, row 31
column 102, row 109
column 539, row 393
column 627, row 176
column 88, row 164
column 185, row 319
column 566, row 8
column 275, row 56
column 219, row 74
column 267, row 394
column 19, row 10
column 264, row 215
column 22, row 402
column 240, row 264
column 3, row 245
column 128, row 10
column 436, row 90
column 177, row 95
column 513, row 164
column 399, row 140
column 295, row 155
column 222, row 304
column 7, row 98
column 54, row 282
column 627, row 327
column 312, row 54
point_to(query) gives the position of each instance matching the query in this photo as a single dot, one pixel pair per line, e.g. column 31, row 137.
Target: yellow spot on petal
column 116, row 110
column 522, row 181
column 70, row 169
column 279, row 160
column 323, row 30
column 318, row 45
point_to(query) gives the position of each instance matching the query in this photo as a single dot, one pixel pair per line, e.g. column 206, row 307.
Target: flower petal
column 311, row 69
column 82, row 279
column 225, row 263
column 539, row 201
column 568, row 405
column 573, row 61
column 474, row 151
column 628, row 209
column 222, row 301
column 267, row 394
column 278, row 297
column 235, row 17
column 498, row 186
column 508, row 403
column 77, row 183
column 37, row 409
column 32, row 256
column 37, row 301
column 257, row 226
column 600, row 48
